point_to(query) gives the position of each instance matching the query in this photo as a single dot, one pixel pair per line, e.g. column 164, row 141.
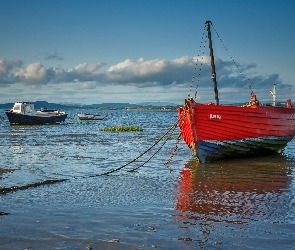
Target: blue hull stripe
column 211, row 150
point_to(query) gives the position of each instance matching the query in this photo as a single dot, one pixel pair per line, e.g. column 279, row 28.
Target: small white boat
column 45, row 111
column 91, row 116
column 23, row 113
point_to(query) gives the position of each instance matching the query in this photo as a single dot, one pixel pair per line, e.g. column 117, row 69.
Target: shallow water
column 237, row 204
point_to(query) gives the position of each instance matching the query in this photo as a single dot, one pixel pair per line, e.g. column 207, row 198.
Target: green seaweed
column 122, row 129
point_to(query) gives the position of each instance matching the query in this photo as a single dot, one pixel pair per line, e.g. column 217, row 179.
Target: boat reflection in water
column 236, row 191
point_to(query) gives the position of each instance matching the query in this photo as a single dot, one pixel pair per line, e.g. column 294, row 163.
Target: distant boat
column 47, row 111
column 23, row 113
column 216, row 132
column 91, row 117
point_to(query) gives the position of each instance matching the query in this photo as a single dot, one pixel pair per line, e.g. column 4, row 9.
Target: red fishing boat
column 214, row 131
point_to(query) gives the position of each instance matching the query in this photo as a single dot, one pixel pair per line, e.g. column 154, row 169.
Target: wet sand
column 207, row 206
column 54, row 197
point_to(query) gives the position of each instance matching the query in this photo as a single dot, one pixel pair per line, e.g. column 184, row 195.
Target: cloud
column 6, row 70
column 151, row 73
column 86, row 85
column 33, row 73
column 47, row 56
column 140, row 73
column 54, row 56
column 37, row 74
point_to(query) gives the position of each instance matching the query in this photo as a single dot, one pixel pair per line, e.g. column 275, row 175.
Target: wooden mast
column 213, row 75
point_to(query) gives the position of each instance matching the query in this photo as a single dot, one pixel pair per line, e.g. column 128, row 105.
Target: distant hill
column 45, row 104
column 158, row 104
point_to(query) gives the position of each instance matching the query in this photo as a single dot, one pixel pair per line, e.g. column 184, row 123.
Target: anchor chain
column 174, row 151
column 135, row 159
column 132, row 170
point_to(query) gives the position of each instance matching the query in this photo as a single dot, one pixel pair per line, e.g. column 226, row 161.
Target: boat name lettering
column 215, row 116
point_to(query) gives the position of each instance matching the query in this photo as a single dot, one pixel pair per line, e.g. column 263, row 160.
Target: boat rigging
column 216, row 132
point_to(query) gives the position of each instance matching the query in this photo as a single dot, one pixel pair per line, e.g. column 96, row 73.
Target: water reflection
column 234, row 191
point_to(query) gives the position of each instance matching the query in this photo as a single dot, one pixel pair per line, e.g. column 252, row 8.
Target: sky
column 134, row 51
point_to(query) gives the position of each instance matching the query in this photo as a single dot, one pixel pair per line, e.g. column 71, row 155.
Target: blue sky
column 143, row 51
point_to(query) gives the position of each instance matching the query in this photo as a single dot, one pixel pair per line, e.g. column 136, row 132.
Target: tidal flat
column 58, row 196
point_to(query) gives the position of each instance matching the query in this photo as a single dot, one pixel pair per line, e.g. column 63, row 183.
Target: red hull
column 223, row 131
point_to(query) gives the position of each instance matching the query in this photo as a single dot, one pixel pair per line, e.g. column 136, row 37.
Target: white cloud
column 33, row 73
column 37, row 74
column 86, row 85
column 158, row 74
column 84, row 68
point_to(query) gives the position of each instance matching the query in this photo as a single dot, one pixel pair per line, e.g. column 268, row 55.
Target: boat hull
column 22, row 119
column 217, row 132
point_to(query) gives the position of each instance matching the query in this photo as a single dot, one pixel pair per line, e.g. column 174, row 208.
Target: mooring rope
column 235, row 63
column 171, row 130
column 174, row 150
column 134, row 169
column 197, row 64
column 135, row 159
